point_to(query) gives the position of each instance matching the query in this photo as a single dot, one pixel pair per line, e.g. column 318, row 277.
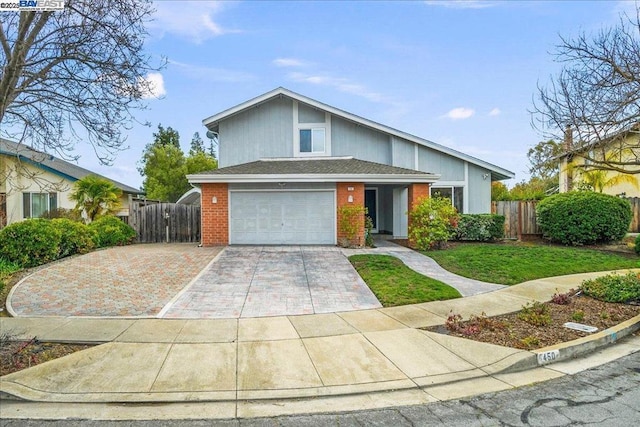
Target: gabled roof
column 53, row 164
column 322, row 169
column 212, row 124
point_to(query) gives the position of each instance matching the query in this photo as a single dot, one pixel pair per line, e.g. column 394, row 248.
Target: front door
column 371, row 203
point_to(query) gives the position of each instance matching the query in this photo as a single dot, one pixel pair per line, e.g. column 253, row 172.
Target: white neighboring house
column 33, row 182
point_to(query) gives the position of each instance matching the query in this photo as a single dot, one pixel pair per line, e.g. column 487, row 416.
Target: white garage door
column 282, row 217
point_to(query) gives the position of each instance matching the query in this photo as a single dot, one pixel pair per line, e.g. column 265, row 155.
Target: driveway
column 259, row 281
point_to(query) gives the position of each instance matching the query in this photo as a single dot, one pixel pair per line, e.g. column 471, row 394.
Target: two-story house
column 288, row 163
column 33, row 182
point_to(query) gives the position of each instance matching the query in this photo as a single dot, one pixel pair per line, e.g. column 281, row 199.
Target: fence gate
column 519, row 218
column 150, row 220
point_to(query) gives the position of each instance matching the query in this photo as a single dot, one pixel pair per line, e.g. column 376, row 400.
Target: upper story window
column 35, row 204
column 312, row 140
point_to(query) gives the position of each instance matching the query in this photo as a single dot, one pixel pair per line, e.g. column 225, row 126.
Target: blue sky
column 459, row 73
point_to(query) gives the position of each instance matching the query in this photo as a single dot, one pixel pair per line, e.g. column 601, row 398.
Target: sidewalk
column 310, row 363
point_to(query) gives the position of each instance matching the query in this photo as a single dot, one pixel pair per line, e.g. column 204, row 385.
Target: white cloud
column 212, row 74
column 495, row 112
column 339, row 83
column 459, row 113
column 288, row 62
column 194, row 20
column 462, row 4
column 153, row 86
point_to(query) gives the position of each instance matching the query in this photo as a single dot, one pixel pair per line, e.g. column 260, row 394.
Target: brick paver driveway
column 135, row 280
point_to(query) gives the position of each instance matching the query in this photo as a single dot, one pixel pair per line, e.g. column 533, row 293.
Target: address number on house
column 548, row 357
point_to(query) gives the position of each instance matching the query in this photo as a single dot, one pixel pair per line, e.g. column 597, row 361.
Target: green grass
column 393, row 283
column 512, row 263
column 6, row 270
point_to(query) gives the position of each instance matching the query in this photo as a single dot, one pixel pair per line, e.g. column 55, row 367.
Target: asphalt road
column 605, row 396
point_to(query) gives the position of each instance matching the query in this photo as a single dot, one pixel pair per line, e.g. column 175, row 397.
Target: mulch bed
column 18, row 355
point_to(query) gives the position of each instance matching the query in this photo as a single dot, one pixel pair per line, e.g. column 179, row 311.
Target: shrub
column 6, row 270
column 30, row 243
column 563, row 299
column 111, row 231
column 613, row 288
column 432, row 223
column 71, row 214
column 637, row 246
column 583, row 217
column 482, row 227
column 351, row 221
column 536, row 314
column 77, row 238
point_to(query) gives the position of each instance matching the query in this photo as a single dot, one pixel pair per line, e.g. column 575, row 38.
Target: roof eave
column 310, row 178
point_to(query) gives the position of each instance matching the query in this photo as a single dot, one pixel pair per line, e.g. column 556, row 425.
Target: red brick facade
column 215, row 216
column 343, row 191
column 417, row 192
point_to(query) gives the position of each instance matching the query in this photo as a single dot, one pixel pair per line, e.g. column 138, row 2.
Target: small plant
column 530, row 342
column 453, row 322
column 473, row 326
column 368, row 226
column 563, row 299
column 613, row 288
column 577, row 316
column 604, row 315
column 536, row 314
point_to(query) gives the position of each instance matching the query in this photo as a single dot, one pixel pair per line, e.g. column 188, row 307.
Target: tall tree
column 596, row 94
column 95, row 196
column 82, row 68
column 197, row 145
column 543, row 159
column 165, row 137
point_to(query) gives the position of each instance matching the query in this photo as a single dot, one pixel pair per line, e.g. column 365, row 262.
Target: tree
column 95, row 196
column 82, row 68
column 543, row 158
column 499, row 191
column 197, row 145
column 165, row 137
column 596, row 95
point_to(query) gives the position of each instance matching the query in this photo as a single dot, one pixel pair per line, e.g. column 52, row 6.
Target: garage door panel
column 282, row 217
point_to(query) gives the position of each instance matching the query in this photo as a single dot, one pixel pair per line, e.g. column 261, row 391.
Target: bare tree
column 597, row 96
column 74, row 75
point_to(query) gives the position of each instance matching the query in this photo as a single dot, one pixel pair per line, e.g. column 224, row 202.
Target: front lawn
column 393, row 283
column 510, row 263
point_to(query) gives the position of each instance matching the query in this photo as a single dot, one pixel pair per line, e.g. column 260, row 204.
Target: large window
column 455, row 194
column 35, row 204
column 312, row 140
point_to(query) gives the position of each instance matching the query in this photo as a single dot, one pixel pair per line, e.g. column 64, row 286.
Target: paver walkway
column 428, row 267
column 257, row 281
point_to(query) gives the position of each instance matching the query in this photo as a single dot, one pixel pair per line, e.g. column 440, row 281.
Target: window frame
column 27, row 209
column 457, row 192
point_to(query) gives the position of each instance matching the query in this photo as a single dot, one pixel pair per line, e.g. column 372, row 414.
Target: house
column 622, row 147
column 32, row 182
column 288, row 165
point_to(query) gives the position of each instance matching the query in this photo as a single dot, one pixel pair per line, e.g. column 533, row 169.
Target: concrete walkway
column 310, row 363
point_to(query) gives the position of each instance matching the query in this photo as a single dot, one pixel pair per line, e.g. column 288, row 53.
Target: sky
column 463, row 74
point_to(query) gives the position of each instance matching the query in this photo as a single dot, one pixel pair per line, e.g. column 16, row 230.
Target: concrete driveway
column 259, row 281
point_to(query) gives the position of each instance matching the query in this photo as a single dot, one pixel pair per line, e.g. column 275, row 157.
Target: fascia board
column 253, row 178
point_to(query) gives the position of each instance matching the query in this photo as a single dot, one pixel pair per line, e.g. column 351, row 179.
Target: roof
column 583, row 147
column 212, row 122
column 319, row 169
column 54, row 164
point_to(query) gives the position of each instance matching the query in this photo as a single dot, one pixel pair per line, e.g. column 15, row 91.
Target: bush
column 613, row 288
column 482, row 228
column 583, row 217
column 637, row 246
column 111, row 231
column 432, row 223
column 72, row 214
column 351, row 219
column 30, row 243
column 77, row 238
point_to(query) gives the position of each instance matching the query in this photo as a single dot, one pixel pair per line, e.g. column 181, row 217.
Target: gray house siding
column 350, row 139
column 479, row 190
column 260, row 132
column 403, row 153
column 308, row 114
column 449, row 167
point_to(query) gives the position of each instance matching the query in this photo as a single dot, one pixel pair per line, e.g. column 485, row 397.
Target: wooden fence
column 520, row 218
column 150, row 220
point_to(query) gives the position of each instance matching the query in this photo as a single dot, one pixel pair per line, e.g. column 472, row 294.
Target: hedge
column 111, row 231
column 30, row 243
column 480, row 227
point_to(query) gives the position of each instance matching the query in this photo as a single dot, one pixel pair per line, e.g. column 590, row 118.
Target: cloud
column 339, row 83
column 193, row 20
column 212, row 74
column 462, row 4
column 152, row 86
column 495, row 112
column 288, row 62
column 459, row 113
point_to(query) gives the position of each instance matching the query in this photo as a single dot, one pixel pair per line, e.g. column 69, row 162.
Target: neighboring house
column 288, row 163
column 32, row 182
column 623, row 146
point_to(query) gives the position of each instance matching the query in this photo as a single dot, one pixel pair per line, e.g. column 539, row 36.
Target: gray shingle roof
column 54, row 164
column 326, row 166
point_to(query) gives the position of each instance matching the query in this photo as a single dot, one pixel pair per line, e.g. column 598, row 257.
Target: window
column 35, row 204
column 455, row 194
column 312, row 140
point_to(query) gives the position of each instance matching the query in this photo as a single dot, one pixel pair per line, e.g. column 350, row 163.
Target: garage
column 282, row 217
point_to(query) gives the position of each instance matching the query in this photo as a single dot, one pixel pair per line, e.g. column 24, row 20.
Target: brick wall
column 416, row 193
column 215, row 216
column 343, row 191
